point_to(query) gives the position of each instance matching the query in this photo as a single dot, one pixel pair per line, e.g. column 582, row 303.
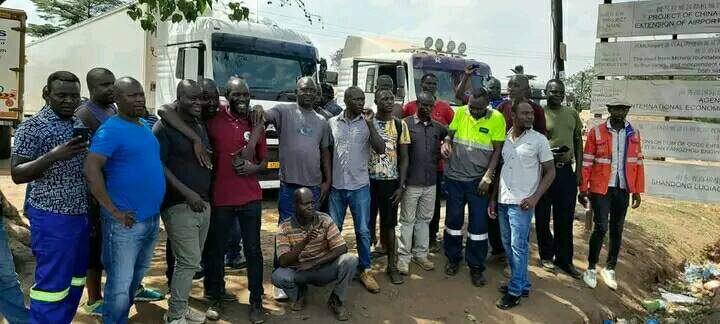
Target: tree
column 60, row 14
column 335, row 59
column 581, row 85
column 150, row 12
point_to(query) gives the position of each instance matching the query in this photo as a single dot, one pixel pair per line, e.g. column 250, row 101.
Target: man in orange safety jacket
column 612, row 172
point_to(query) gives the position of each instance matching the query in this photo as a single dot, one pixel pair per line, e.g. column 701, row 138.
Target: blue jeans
column 12, row 305
column 515, row 231
column 126, row 254
column 460, row 193
column 286, row 207
column 359, row 202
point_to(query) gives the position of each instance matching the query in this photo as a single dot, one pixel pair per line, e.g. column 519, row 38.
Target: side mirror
column 190, row 63
column 401, row 80
column 331, row 77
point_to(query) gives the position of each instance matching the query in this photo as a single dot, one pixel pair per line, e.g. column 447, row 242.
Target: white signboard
column 9, row 58
column 644, row 18
column 675, row 98
column 683, row 181
column 680, row 139
column 700, row 56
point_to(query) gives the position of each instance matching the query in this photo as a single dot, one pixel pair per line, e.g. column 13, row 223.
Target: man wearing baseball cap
column 612, row 172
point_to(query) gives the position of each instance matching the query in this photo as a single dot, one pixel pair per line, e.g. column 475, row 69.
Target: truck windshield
column 270, row 67
column 449, row 71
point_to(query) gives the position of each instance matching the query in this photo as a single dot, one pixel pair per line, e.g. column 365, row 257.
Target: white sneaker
column 192, row 316
column 180, row 320
column 590, row 278
column 279, row 294
column 609, row 278
column 403, row 268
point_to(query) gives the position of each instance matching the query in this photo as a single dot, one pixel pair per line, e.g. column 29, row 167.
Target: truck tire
column 5, row 132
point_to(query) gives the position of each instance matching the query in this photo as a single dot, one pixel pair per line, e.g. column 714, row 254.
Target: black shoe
column 548, row 265
column 224, row 297
column 571, row 271
column 477, row 278
column 504, row 290
column 395, row 277
column 257, row 313
column 452, row 268
column 199, row 275
column 341, row 313
column 508, row 301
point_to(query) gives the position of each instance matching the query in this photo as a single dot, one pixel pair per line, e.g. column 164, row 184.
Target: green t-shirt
column 563, row 126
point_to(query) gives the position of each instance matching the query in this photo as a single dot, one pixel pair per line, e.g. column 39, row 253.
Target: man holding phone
column 564, row 131
column 47, row 155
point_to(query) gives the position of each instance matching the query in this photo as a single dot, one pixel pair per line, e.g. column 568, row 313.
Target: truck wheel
column 5, row 132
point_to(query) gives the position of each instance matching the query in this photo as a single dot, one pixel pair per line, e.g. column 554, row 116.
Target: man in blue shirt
column 126, row 176
column 46, row 155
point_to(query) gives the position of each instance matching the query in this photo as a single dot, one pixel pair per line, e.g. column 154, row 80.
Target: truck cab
column 366, row 59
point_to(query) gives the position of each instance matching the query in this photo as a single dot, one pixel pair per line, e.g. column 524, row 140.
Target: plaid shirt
column 62, row 187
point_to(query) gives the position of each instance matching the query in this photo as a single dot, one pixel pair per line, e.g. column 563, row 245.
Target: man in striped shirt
column 311, row 250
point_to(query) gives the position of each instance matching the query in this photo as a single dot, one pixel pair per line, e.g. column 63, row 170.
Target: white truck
column 269, row 57
column 365, row 59
column 12, row 60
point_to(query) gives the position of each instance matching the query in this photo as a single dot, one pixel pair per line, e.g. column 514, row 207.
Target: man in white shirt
column 527, row 172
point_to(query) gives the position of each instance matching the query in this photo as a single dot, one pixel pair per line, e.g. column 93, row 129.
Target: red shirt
column 538, row 125
column 441, row 113
column 229, row 135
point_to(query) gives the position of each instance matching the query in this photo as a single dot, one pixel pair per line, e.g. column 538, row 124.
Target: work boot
column 337, row 307
column 368, row 280
column 403, row 268
column 452, row 268
column 477, row 278
column 424, row 263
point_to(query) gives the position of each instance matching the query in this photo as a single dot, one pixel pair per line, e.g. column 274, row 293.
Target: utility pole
column 558, row 45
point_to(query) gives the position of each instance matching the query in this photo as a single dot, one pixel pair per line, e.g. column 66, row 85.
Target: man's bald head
column 130, row 97
column 237, row 83
column 96, row 73
column 304, row 202
column 100, row 83
column 307, row 92
column 208, row 85
column 309, row 81
column 186, row 87
column 237, row 92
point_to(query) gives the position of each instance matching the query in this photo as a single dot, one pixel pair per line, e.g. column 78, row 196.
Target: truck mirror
column 400, row 77
column 331, row 77
column 187, row 63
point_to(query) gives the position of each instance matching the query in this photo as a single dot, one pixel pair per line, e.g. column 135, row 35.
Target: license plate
column 273, row 165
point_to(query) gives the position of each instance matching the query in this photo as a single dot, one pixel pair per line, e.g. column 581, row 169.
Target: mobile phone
column 81, row 131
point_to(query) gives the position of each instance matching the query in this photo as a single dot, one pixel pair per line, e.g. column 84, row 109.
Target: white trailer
column 269, row 57
column 365, row 59
column 12, row 58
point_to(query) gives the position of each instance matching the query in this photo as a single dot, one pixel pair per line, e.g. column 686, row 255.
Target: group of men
column 101, row 171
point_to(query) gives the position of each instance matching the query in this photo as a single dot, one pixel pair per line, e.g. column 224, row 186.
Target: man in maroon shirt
column 236, row 194
column 443, row 114
column 518, row 90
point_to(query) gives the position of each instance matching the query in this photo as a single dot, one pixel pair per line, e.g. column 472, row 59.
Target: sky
column 501, row 33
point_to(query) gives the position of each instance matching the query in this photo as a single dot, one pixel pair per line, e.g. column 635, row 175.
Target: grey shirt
column 424, row 151
column 351, row 152
column 302, row 134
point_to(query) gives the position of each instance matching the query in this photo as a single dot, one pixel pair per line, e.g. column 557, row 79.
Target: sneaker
column 368, row 280
column 424, row 263
column 341, row 313
column 180, row 320
column 608, row 276
column 213, row 312
column 590, row 278
column 504, row 290
column 452, row 268
column 148, row 295
column 508, row 301
column 96, row 309
column 403, row 268
column 257, row 313
column 477, row 278
column 279, row 294
column 547, row 265
column 395, row 277
column 192, row 316
column 224, row 297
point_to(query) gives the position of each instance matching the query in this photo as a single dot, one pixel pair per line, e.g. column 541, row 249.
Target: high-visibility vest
column 597, row 160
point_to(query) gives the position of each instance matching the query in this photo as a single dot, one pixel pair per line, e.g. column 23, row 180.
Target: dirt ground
column 658, row 237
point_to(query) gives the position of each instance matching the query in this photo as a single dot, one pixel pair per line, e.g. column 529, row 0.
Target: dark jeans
column 560, row 200
column 440, row 192
column 609, row 211
column 221, row 224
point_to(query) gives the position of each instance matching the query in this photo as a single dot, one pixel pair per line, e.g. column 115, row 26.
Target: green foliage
column 581, row 85
column 60, row 14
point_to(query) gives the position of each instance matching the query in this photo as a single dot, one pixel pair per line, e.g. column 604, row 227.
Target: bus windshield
column 449, row 71
column 270, row 67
